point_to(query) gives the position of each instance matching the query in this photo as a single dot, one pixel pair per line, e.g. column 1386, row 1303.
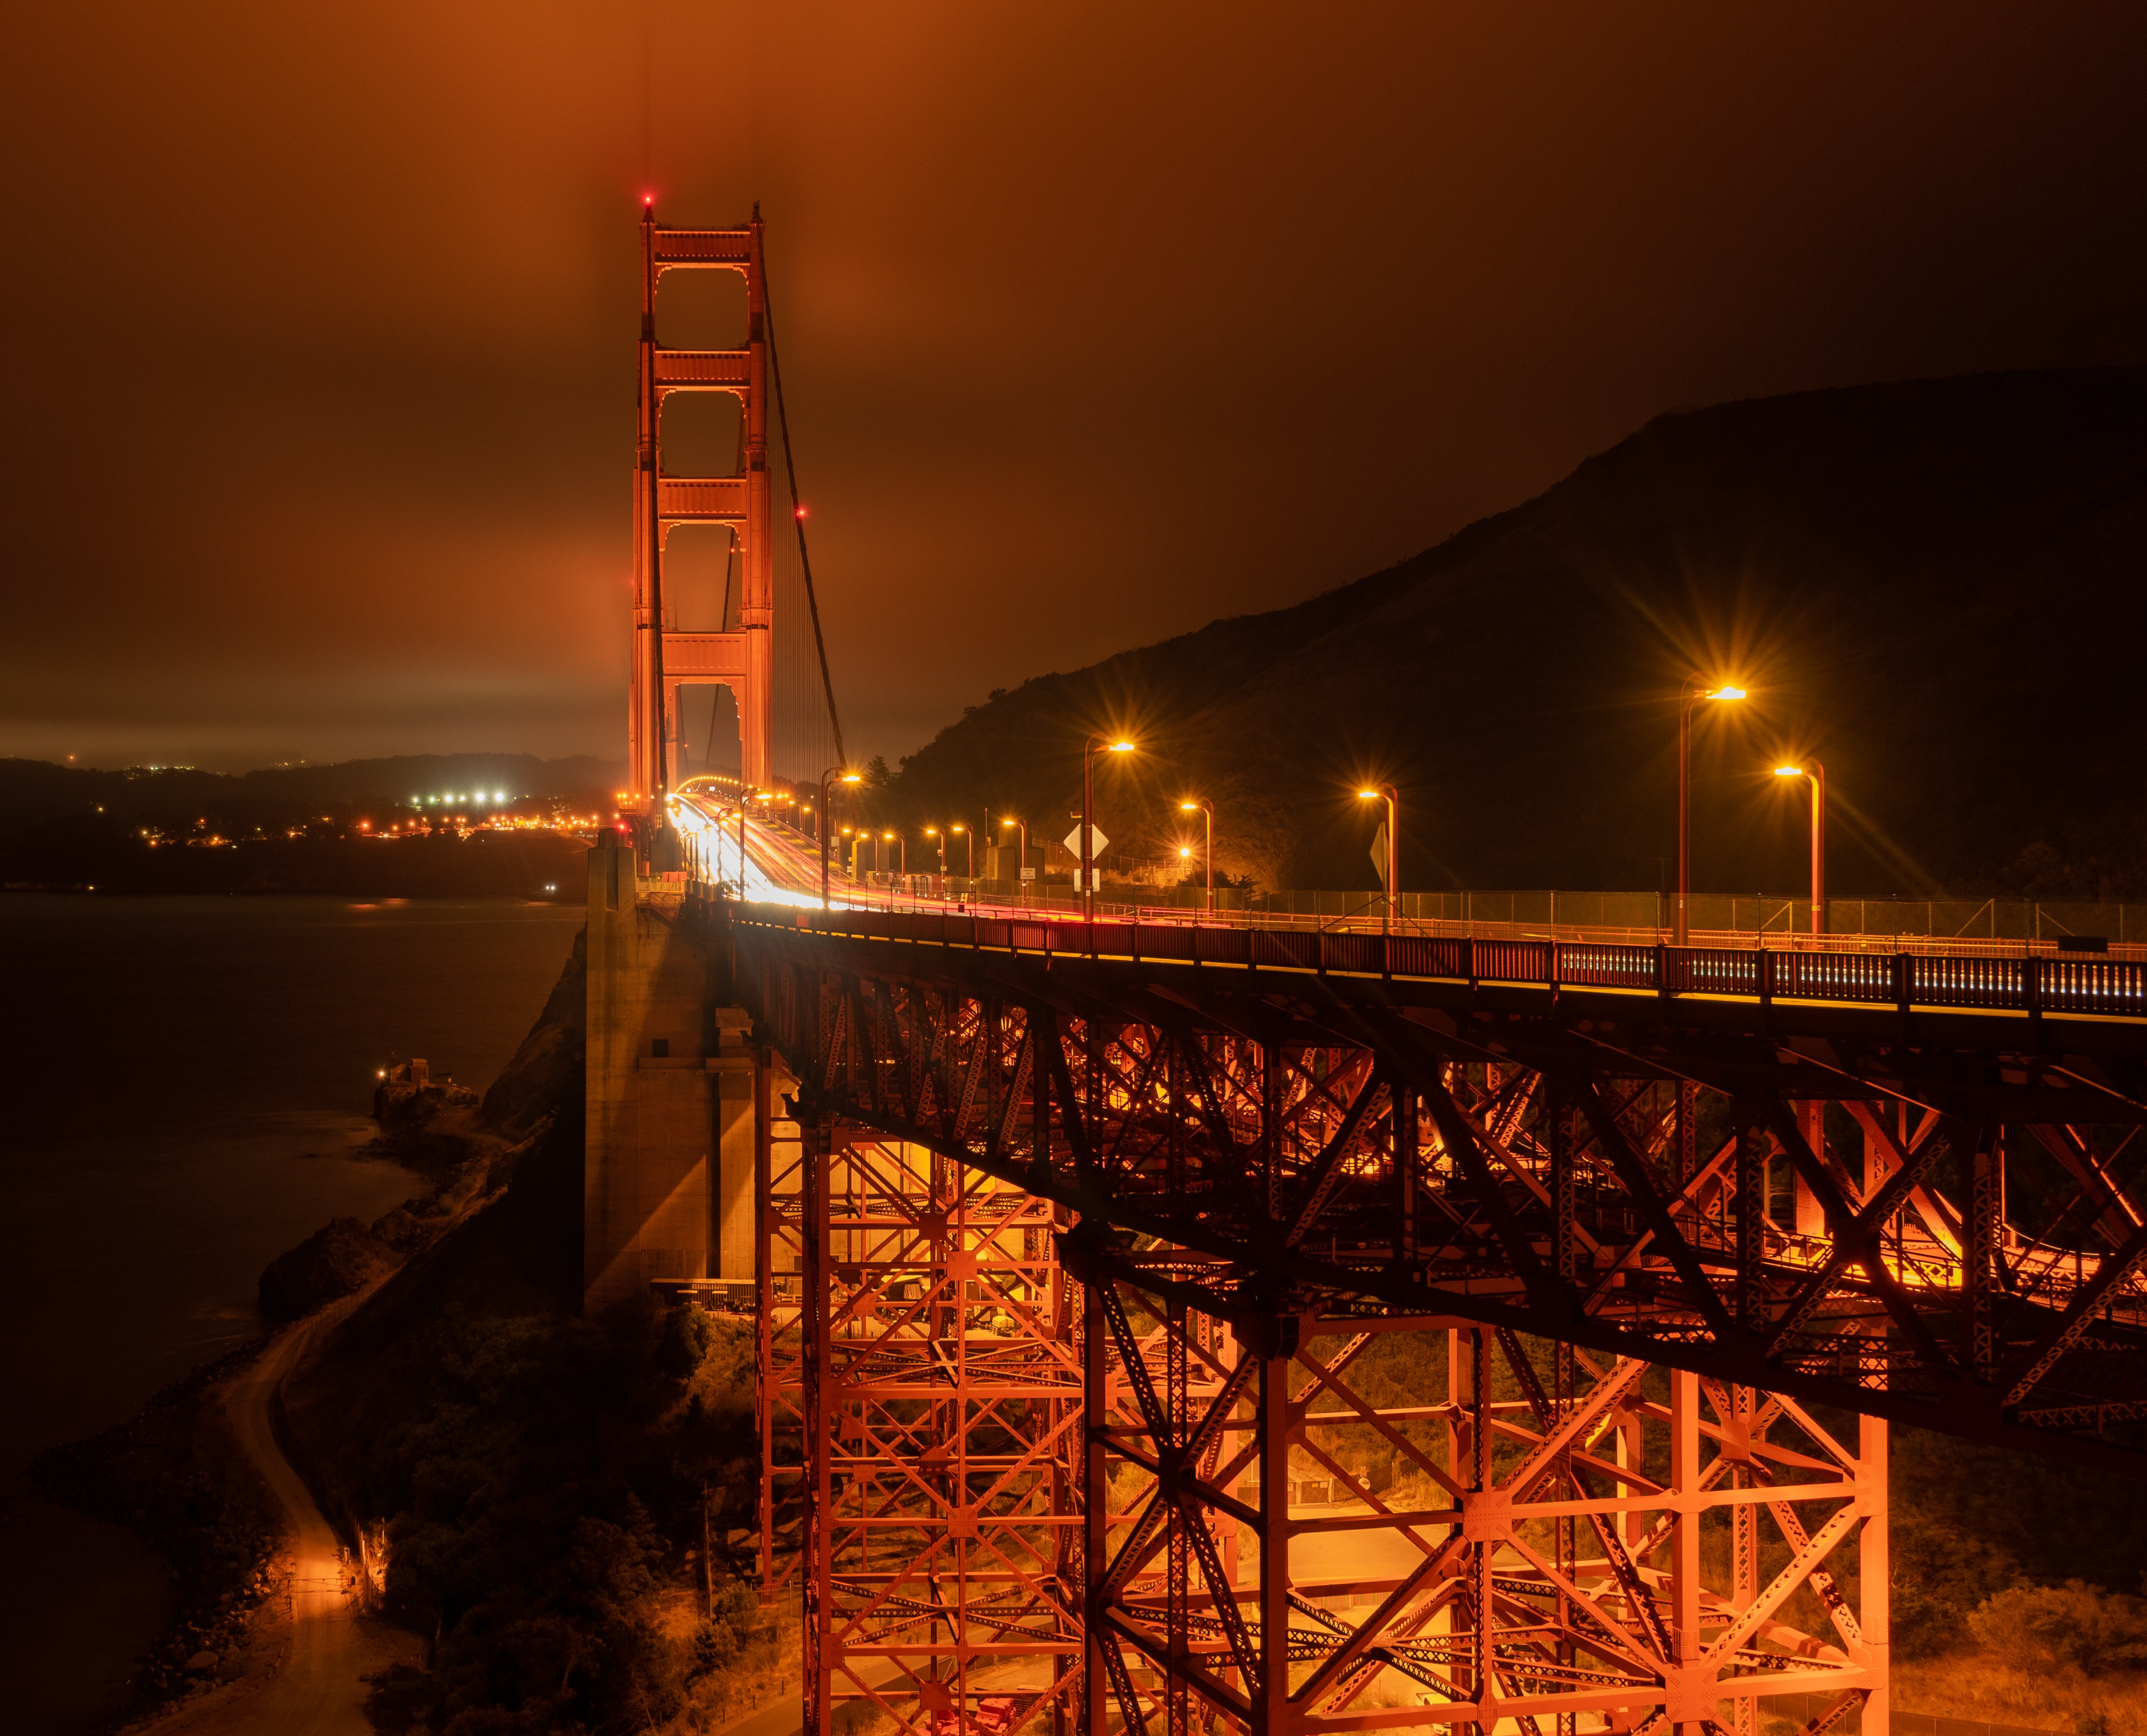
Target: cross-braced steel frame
column 1812, row 1221
column 1929, row 1216
column 939, row 1389
column 1533, row 1535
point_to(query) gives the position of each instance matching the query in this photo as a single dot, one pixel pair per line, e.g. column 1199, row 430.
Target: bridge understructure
column 1371, row 1340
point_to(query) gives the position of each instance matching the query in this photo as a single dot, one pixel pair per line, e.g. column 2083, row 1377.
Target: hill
column 296, row 829
column 1932, row 585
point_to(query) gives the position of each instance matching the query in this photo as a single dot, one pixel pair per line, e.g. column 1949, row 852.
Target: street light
column 1680, row 928
column 900, row 839
column 1088, row 749
column 1387, row 794
column 1197, row 804
column 970, row 845
column 1816, row 772
column 825, row 829
column 1021, row 873
column 935, row 833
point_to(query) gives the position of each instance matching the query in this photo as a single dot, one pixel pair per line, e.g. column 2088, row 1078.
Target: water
column 187, row 1085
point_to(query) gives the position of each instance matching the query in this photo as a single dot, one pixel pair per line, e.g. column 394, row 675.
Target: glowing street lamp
column 1812, row 769
column 969, row 843
column 1680, row 928
column 1387, row 794
column 827, row 777
column 1199, row 805
column 1089, row 749
column 1021, row 874
column 938, row 838
column 901, row 874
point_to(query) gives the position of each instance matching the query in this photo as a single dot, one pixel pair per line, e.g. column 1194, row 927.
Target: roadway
column 781, row 866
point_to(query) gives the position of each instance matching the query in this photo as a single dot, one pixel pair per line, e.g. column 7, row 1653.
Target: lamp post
column 1206, row 810
column 1813, row 770
column 1089, row 750
column 745, row 795
column 902, row 874
column 1387, row 794
column 970, row 847
column 825, row 829
column 938, row 838
column 1680, row 928
column 1021, row 872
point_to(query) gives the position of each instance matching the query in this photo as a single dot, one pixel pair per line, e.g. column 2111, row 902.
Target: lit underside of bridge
column 1289, row 1329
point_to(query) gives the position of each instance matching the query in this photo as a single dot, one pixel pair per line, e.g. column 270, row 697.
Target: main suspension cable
column 797, row 517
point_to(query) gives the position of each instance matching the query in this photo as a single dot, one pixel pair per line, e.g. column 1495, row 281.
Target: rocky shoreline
column 176, row 1475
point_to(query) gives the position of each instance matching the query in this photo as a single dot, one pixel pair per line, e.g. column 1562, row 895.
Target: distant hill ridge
column 1934, row 586
column 29, row 783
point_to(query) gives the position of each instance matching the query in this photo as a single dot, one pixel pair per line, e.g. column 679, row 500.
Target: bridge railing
column 2107, row 987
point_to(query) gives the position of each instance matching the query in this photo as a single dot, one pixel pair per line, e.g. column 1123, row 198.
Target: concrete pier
column 667, row 1174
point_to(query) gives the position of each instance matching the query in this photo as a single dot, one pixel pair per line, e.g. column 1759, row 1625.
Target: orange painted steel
column 940, row 1393
column 664, row 658
column 1395, row 1523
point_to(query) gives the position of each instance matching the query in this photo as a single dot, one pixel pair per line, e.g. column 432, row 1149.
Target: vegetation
column 553, row 1483
column 1972, row 1523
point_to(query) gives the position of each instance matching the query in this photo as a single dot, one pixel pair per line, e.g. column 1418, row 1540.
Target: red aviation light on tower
column 801, row 512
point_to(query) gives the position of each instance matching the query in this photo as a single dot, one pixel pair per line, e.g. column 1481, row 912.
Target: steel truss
column 939, row 1385
column 1567, row 1543
column 1843, row 1213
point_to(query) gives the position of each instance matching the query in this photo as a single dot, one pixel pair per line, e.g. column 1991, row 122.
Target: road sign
column 1096, row 845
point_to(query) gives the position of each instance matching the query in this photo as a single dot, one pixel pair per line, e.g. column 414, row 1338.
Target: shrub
column 2075, row 1625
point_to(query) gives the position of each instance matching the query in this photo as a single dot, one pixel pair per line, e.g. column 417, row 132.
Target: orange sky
column 1099, row 321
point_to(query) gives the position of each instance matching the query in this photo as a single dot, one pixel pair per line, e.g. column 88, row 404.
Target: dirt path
column 328, row 1646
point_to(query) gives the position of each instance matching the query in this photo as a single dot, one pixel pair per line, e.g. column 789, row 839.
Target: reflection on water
column 186, row 1083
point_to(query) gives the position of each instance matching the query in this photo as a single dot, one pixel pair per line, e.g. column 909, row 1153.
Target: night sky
column 1098, row 321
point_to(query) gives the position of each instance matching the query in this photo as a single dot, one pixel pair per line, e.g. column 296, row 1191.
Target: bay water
column 186, row 1083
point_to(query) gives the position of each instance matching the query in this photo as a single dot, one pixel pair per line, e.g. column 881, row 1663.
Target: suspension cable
column 798, row 516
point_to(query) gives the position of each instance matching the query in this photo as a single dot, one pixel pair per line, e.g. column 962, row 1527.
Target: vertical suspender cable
column 798, row 517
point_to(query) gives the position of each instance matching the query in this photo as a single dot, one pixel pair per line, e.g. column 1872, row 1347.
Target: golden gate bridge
column 1170, row 1320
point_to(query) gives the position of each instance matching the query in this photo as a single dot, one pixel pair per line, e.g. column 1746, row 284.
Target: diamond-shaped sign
column 1097, row 841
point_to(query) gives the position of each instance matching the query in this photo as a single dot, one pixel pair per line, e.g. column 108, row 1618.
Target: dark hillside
column 1934, row 587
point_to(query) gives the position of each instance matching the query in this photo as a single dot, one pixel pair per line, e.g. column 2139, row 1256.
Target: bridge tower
column 665, row 658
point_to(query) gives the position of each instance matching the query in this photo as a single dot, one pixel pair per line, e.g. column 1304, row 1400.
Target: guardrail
column 2108, row 988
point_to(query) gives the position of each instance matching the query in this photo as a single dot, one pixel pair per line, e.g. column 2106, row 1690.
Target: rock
column 330, row 1263
column 549, row 1064
column 201, row 1664
column 410, row 1097
column 403, row 1230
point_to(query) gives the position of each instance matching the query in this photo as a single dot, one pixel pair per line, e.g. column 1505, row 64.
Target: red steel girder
column 1312, row 1144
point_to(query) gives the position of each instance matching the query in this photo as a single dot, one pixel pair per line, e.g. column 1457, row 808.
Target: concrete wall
column 668, row 1167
